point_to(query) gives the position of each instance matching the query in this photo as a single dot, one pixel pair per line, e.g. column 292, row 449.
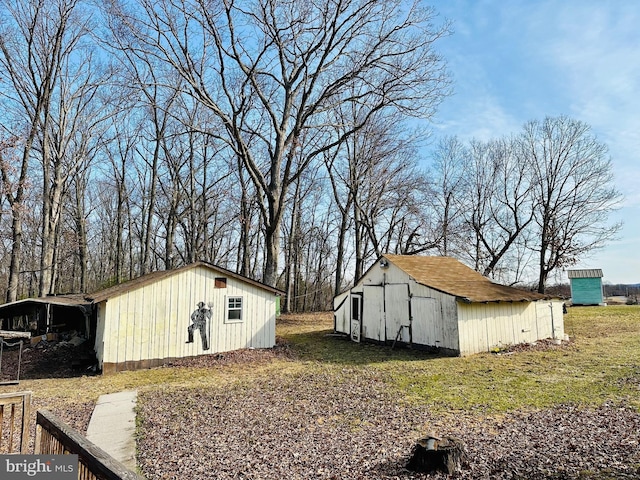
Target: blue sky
column 514, row 61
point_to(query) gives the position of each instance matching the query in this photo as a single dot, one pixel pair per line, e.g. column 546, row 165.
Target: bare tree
column 379, row 191
column 448, row 178
column 498, row 205
column 574, row 191
column 36, row 42
column 512, row 210
column 272, row 70
column 76, row 129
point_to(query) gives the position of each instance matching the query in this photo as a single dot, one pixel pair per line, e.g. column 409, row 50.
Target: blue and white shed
column 586, row 286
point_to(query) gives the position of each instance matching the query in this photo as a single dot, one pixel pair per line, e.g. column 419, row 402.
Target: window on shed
column 355, row 307
column 234, row 309
column 221, row 282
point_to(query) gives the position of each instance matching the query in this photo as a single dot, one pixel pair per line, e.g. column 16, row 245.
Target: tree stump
column 431, row 454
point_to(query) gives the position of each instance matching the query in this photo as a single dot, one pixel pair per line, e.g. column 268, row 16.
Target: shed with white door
column 438, row 302
column 193, row 310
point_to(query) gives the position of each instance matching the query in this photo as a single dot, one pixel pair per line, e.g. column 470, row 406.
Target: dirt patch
column 282, row 350
column 48, row 360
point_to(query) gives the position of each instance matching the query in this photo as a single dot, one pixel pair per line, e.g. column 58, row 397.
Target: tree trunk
column 344, row 222
column 81, row 232
column 272, row 250
column 16, row 254
column 52, row 210
column 433, row 454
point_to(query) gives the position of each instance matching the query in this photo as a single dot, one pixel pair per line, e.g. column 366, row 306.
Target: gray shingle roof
column 585, row 273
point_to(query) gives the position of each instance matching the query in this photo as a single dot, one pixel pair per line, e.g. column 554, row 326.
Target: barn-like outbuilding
column 196, row 309
column 586, row 286
column 438, row 302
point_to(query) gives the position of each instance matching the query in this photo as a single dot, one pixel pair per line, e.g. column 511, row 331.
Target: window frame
column 237, row 307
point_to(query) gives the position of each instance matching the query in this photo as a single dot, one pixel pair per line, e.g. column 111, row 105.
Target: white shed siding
column 427, row 325
column 150, row 323
column 446, row 316
column 388, row 294
column 100, row 332
column 548, row 326
column 392, row 297
column 485, row 326
column 342, row 312
column 373, row 324
column 396, row 297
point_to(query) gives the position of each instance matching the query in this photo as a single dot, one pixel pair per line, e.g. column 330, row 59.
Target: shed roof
column 585, row 273
column 451, row 276
column 159, row 275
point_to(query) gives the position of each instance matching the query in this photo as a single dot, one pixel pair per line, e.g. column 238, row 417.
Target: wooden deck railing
column 15, row 411
column 54, row 437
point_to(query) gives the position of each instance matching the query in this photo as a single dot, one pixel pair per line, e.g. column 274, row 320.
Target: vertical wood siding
column 486, row 326
column 438, row 312
column 373, row 314
column 549, row 326
column 386, row 303
column 142, row 326
column 390, row 296
column 342, row 312
column 398, row 321
column 586, row 291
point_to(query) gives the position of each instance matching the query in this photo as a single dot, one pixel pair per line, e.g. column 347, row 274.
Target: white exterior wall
column 150, row 323
column 386, row 303
column 342, row 312
column 444, row 329
column 484, row 326
column 439, row 320
column 548, row 326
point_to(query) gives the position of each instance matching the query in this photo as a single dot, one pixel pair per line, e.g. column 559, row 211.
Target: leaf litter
column 328, row 425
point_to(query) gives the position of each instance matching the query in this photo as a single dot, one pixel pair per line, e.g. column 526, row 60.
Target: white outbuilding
column 193, row 310
column 197, row 309
column 440, row 303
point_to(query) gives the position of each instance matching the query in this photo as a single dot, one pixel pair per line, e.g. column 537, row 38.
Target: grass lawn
column 323, row 392
column 601, row 364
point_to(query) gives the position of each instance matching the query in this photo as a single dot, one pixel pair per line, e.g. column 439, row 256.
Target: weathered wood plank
column 58, row 438
column 19, row 412
column 10, row 334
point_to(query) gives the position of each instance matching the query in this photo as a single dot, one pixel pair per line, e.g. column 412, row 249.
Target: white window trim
column 227, row 309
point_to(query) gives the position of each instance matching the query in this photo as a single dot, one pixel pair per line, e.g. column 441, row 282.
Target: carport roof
column 451, row 276
column 17, row 307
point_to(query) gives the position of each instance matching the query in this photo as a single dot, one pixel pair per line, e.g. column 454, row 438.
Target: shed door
column 427, row 325
column 397, row 310
column 373, row 312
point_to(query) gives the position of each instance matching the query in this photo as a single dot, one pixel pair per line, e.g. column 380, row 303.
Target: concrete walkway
column 113, row 424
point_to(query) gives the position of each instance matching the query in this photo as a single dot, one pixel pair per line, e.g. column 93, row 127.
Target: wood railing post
column 21, row 400
column 56, row 438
